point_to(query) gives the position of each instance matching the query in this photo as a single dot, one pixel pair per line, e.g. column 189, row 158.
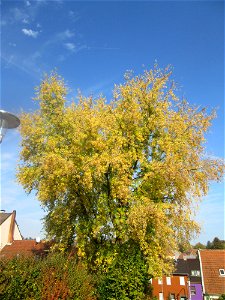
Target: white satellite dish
column 38, row 239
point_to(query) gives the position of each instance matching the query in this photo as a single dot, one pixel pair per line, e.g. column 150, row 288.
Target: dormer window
column 222, row 272
column 195, row 273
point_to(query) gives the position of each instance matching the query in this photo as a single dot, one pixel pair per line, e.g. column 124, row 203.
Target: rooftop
column 24, row 248
column 212, row 261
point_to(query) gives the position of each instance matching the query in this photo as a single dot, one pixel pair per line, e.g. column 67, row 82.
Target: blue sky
column 92, row 44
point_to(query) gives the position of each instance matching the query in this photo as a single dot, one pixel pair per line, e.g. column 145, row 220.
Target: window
column 222, row 272
column 160, row 296
column 160, row 281
column 193, row 290
column 195, row 273
column 182, row 282
column 172, row 296
column 168, row 280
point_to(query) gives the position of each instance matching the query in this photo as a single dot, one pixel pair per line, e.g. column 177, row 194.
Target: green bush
column 66, row 278
column 18, row 279
column 127, row 277
column 63, row 277
column 54, row 277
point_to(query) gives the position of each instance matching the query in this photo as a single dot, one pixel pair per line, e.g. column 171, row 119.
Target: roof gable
column 188, row 266
column 212, row 261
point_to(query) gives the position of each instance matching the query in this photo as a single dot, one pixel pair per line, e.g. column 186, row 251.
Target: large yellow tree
column 129, row 170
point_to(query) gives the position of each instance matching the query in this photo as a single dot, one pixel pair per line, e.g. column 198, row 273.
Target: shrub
column 55, row 277
column 18, row 278
column 127, row 277
column 66, row 278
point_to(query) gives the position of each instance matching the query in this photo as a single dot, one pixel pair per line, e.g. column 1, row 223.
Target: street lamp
column 7, row 121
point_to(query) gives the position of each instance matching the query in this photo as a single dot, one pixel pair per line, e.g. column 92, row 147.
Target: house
column 171, row 287
column 190, row 254
column 212, row 264
column 24, row 248
column 203, row 275
column 12, row 243
column 191, row 266
column 9, row 230
column 177, row 286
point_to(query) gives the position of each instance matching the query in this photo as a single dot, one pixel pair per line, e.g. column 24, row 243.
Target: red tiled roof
column 23, row 247
column 212, row 261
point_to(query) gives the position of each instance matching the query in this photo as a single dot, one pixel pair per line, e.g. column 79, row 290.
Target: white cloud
column 24, row 15
column 30, row 64
column 66, row 34
column 57, row 38
column 74, row 16
column 12, row 44
column 30, row 32
column 71, row 13
column 70, row 46
column 8, row 61
column 18, row 14
column 25, row 21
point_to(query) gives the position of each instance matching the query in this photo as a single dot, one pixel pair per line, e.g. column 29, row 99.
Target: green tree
column 216, row 244
column 199, row 246
column 208, row 245
column 107, row 173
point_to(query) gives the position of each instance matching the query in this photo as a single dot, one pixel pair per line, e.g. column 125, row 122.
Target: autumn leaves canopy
column 109, row 172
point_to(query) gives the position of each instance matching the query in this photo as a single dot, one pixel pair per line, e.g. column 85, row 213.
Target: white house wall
column 17, row 234
column 4, row 232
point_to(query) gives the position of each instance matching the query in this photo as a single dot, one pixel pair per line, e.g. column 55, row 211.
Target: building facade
column 9, row 230
column 191, row 266
column 174, row 287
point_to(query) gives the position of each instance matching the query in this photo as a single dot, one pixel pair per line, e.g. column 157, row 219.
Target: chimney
column 11, row 228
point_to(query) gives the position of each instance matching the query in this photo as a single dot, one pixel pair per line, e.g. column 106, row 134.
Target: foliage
column 216, row 244
column 18, row 278
column 199, row 246
column 222, row 297
column 108, row 173
column 184, row 247
column 54, row 277
column 127, row 277
column 67, row 279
